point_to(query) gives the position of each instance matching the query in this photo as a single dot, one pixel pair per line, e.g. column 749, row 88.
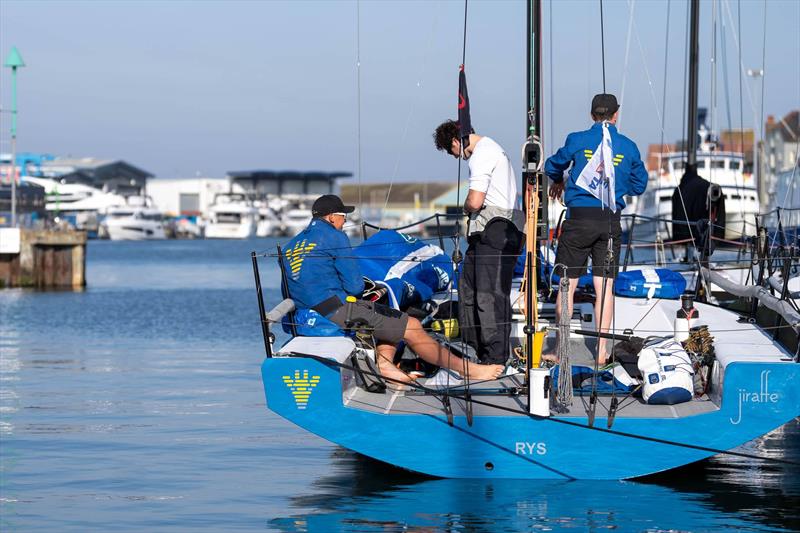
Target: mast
column 534, row 70
column 694, row 47
column 535, row 191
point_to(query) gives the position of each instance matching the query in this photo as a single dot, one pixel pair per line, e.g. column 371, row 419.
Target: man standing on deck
column 606, row 166
column 495, row 237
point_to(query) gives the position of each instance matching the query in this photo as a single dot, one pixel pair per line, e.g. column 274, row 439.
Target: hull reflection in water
column 713, row 495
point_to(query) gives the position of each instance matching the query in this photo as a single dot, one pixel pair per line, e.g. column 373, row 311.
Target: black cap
column 604, row 104
column 330, row 203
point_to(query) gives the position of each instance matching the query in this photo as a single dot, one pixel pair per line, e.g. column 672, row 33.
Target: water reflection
column 714, row 495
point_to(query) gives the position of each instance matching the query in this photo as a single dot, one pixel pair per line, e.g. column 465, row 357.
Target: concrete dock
column 42, row 259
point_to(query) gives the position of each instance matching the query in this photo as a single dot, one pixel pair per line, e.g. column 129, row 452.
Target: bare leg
column 434, row 353
column 573, row 284
column 386, row 365
column 606, row 316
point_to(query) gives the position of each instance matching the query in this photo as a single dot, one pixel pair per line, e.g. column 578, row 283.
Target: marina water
column 137, row 405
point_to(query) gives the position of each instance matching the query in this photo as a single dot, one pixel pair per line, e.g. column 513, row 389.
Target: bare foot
column 394, row 375
column 482, row 372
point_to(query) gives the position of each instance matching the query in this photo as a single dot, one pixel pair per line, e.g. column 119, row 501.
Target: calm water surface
column 137, row 405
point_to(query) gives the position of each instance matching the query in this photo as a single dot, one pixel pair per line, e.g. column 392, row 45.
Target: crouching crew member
column 605, row 166
column 322, row 272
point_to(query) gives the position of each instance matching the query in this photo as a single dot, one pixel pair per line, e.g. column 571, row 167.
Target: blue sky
column 181, row 88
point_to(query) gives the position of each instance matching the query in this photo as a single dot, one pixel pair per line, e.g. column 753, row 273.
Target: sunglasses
column 343, row 215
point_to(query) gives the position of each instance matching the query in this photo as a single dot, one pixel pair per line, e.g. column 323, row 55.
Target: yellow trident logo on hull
column 301, row 387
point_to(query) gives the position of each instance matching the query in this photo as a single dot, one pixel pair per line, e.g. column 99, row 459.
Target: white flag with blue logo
column 597, row 177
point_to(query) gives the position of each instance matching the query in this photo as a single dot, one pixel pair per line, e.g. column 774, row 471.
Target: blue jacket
column 630, row 174
column 320, row 263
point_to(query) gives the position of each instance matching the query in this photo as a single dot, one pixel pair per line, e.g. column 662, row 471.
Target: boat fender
column 685, row 318
column 667, row 373
column 539, row 383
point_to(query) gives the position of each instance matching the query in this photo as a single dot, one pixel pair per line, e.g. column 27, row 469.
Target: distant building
column 781, row 140
column 30, row 203
column 260, row 183
column 394, row 196
column 110, row 175
column 656, row 156
column 185, row 197
column 739, row 140
column 787, row 193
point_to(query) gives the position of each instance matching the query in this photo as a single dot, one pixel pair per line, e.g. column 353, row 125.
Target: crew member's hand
column 556, row 190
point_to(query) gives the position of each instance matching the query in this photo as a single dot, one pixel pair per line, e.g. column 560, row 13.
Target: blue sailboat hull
column 757, row 398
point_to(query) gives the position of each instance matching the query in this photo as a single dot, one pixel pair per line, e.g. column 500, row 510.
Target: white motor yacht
column 137, row 220
column 80, row 204
column 722, row 168
column 295, row 219
column 232, row 216
column 269, row 223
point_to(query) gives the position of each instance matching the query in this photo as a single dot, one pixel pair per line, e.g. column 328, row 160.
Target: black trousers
column 484, row 290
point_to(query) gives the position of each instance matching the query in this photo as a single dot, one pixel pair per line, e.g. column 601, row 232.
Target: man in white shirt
column 495, row 237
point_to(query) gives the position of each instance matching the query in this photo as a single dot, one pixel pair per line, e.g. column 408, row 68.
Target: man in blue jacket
column 322, row 271
column 605, row 166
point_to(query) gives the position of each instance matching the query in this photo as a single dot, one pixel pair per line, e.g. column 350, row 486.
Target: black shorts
column 388, row 325
column 588, row 234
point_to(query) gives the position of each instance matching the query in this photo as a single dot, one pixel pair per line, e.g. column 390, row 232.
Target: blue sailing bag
column 582, row 381
column 309, row 323
column 413, row 270
column 650, row 283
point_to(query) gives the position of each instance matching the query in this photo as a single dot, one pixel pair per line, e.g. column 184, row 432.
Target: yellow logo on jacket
column 296, row 255
column 617, row 158
column 301, row 386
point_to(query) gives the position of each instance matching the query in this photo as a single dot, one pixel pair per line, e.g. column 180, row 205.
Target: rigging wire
column 763, row 72
column 603, row 45
column 358, row 107
column 631, row 7
column 631, row 3
column 412, row 107
column 738, row 184
column 552, row 75
column 685, row 82
column 456, row 257
column 724, row 51
column 741, row 103
column 664, row 96
column 608, row 258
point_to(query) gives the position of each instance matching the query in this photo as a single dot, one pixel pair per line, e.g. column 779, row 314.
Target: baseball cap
column 330, row 203
column 603, row 104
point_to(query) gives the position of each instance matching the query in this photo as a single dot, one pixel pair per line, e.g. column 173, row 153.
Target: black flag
column 464, row 121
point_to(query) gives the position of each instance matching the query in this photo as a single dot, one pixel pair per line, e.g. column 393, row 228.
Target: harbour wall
column 42, row 258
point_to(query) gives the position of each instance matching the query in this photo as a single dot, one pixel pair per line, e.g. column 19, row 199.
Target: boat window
column 122, row 214
column 228, row 218
column 154, row 216
column 677, row 165
column 701, row 163
column 665, row 199
column 718, row 163
column 735, row 165
column 735, row 197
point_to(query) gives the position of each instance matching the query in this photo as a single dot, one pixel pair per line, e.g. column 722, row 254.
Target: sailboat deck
column 734, row 341
column 501, row 402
